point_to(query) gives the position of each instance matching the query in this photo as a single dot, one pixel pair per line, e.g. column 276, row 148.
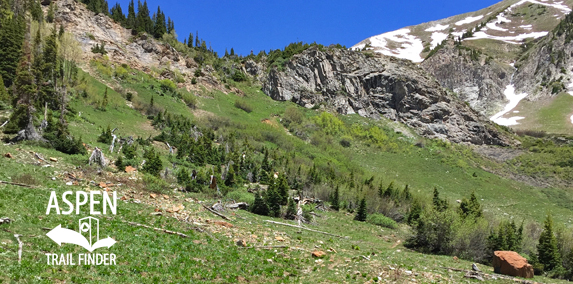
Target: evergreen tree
column 291, row 209
column 117, row 15
column 160, row 27
column 230, row 178
column 361, row 214
column 119, row 164
column 36, row 11
column 51, row 13
column 547, row 249
column 415, row 213
column 131, row 16
column 471, row 207
column 390, row 191
column 190, row 41
column 170, row 26
column 335, row 204
column 274, row 201
column 440, row 205
column 283, row 189
column 105, row 101
column 197, row 41
column 232, row 52
column 153, row 164
column 406, row 195
column 260, row 207
column 11, row 39
column 105, row 136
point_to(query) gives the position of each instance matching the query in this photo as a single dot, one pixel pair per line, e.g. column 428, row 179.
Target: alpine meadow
column 436, row 153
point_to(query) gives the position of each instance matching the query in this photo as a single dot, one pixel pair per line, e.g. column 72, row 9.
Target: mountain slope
column 374, row 86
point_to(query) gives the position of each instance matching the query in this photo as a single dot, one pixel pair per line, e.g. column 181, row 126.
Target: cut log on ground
column 303, row 228
column 216, row 213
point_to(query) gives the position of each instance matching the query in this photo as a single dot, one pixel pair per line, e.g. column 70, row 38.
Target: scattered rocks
column 241, row 243
column 130, row 169
column 512, row 264
column 53, row 159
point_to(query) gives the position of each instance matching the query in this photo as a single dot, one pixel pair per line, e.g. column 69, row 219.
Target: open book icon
column 62, row 235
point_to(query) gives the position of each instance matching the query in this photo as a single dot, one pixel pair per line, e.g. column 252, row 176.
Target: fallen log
column 4, row 124
column 17, row 184
column 40, row 157
column 217, row 213
column 156, row 229
column 303, row 228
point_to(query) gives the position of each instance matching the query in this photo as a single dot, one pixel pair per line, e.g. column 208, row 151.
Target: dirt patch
column 199, row 113
column 272, row 123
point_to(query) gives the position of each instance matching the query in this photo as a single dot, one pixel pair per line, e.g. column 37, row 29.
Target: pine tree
column 260, row 207
column 232, row 52
column 361, row 214
column 440, row 205
column 117, row 15
column 197, row 41
column 170, row 26
column 471, row 207
column 131, row 16
column 190, row 41
column 119, row 164
column 283, row 189
column 51, row 13
column 547, row 249
column 153, row 164
column 415, row 213
column 159, row 26
column 335, row 204
column 406, row 195
column 291, row 209
column 230, row 178
column 36, row 11
column 274, row 201
column 11, row 39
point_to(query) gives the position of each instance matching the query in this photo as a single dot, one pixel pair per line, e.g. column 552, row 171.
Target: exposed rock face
column 375, row 86
column 478, row 81
column 512, row 264
column 545, row 69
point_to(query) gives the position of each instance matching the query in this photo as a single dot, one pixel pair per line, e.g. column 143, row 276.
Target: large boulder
column 512, row 264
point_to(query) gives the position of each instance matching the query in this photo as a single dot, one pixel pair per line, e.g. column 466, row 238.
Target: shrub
column 345, row 141
column 239, row 76
column 167, row 86
column 381, row 220
column 189, row 99
column 293, row 115
column 105, row 136
column 154, row 183
column 153, row 164
column 241, row 104
column 121, row 72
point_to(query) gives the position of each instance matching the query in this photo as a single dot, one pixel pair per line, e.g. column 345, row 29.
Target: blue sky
column 266, row 24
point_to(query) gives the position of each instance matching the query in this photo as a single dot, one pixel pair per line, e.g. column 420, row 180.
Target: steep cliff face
column 374, row 86
column 546, row 69
column 476, row 78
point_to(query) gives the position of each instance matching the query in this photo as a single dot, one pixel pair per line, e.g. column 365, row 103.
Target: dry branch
column 4, row 124
column 303, row 228
column 217, row 213
column 156, row 229
column 20, row 244
column 40, row 157
column 17, row 184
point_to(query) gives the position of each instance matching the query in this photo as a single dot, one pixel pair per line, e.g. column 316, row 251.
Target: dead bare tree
column 97, row 157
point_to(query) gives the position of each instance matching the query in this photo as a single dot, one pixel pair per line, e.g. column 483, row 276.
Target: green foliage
column 239, row 76
column 51, row 13
column 259, row 206
column 335, row 201
column 11, row 39
column 153, row 164
column 361, row 214
column 241, row 104
column 506, row 237
column 105, row 136
column 119, row 164
column 278, row 58
column 291, row 209
column 471, row 207
column 274, row 200
column 293, row 115
column 547, row 250
column 440, row 205
column 415, row 213
column 99, row 49
column 329, row 123
column 167, row 86
column 381, row 220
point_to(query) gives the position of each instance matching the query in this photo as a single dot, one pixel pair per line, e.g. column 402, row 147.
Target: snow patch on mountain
column 437, row 38
column 509, row 39
column 469, row 20
column 514, row 100
column 437, row 28
column 410, row 46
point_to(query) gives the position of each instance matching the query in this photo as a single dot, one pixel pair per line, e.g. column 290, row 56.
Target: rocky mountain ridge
column 375, row 86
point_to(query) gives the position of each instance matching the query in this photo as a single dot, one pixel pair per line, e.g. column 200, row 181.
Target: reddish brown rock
column 8, row 155
column 512, row 264
column 318, row 254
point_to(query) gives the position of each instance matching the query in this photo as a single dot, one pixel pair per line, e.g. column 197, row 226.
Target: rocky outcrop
column 545, row 70
column 476, row 79
column 375, row 86
column 512, row 264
